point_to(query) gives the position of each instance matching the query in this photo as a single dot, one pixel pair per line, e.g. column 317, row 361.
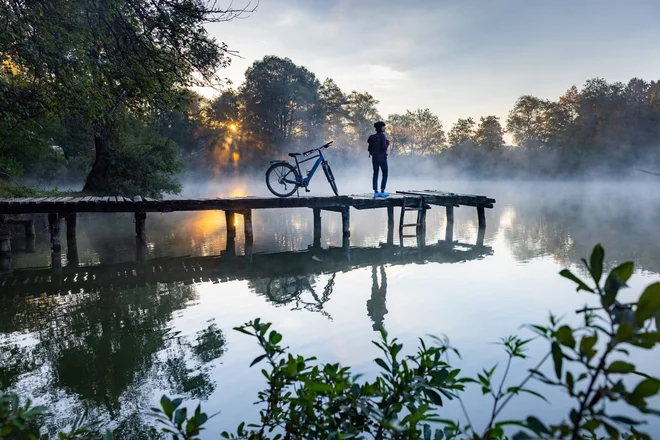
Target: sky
column 459, row 58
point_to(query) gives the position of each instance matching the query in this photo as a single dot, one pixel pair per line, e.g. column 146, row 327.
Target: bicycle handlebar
column 308, row 152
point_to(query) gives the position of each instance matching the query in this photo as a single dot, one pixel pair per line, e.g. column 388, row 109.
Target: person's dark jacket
column 378, row 145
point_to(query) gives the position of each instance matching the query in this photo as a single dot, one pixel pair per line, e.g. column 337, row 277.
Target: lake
column 114, row 347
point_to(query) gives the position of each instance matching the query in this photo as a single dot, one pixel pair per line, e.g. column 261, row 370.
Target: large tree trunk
column 97, row 178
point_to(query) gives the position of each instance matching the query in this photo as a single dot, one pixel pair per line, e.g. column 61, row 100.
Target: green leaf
column 615, row 280
column 581, row 285
column 274, row 337
column 592, row 424
column 587, row 344
column 570, row 382
column 168, row 407
column 625, row 420
column 433, row 396
column 648, row 304
column 258, row 359
column 646, row 388
column 596, row 262
column 180, row 416
column 557, row 358
column 319, row 387
column 537, row 426
column 611, row 431
column 620, row 367
column 624, row 332
column 382, row 364
column 565, row 336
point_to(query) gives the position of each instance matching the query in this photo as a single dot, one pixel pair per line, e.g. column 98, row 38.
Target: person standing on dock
column 378, row 145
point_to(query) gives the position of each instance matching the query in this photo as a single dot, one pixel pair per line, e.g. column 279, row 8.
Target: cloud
column 457, row 57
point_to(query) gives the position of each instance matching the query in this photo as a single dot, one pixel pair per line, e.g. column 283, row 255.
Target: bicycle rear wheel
column 279, row 178
column 330, row 177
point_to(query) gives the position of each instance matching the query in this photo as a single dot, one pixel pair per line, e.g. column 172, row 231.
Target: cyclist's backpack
column 375, row 144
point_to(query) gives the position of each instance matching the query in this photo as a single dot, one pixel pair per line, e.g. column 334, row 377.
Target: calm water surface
column 114, row 334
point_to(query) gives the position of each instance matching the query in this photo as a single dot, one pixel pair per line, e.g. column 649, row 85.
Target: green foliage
column 143, row 162
column 306, row 399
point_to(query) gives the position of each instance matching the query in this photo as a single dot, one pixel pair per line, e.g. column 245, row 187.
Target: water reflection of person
column 376, row 304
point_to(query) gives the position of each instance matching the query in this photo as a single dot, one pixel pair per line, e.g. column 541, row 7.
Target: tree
column 527, row 121
column 489, row 134
column 397, row 133
column 462, row 133
column 335, row 111
column 282, row 101
column 98, row 58
column 362, row 113
column 426, row 135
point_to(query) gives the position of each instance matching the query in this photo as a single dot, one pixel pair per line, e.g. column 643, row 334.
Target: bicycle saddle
column 294, row 154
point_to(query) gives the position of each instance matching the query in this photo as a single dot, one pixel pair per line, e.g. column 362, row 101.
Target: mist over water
column 116, row 349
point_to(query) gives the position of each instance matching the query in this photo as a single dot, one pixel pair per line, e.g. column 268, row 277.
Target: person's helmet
column 379, row 124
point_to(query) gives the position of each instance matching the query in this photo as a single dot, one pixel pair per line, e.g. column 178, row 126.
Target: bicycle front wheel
column 280, row 179
column 330, row 177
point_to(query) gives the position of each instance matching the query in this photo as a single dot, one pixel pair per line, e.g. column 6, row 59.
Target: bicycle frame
column 304, row 181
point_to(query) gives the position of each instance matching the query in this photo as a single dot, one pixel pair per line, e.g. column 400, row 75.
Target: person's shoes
column 376, row 194
column 384, row 194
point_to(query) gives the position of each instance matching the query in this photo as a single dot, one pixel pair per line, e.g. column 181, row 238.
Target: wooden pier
column 67, row 208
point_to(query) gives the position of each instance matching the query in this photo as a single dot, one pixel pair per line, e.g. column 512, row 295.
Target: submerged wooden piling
column 247, row 225
column 449, row 229
column 390, row 225
column 317, row 228
column 346, row 222
column 230, row 220
column 54, row 229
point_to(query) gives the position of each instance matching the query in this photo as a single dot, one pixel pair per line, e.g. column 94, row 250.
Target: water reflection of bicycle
column 283, row 179
column 285, row 290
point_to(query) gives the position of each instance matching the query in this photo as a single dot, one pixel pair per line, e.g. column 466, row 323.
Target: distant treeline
column 283, row 107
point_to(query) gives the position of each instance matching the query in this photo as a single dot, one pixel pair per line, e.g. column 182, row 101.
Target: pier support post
column 5, row 242
column 141, row 236
column 30, row 237
column 449, row 230
column 346, row 221
column 71, row 220
column 29, row 229
column 54, row 228
column 421, row 221
column 482, row 216
column 390, row 225
column 317, row 228
column 247, row 229
column 71, row 223
column 230, row 220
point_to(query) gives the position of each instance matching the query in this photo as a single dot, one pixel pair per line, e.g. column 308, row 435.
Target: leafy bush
column 305, row 399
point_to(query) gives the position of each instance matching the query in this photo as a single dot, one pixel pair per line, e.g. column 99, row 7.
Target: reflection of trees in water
column 376, row 304
column 297, row 290
column 568, row 225
column 106, row 351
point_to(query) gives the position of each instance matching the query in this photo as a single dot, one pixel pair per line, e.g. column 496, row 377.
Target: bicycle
column 281, row 175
